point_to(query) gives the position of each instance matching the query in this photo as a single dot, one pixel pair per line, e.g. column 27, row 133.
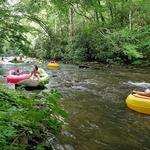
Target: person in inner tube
column 53, row 61
column 35, row 72
column 143, row 93
column 17, row 72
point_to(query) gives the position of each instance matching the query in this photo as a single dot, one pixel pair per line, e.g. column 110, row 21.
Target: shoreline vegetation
column 28, row 121
column 80, row 64
column 106, row 31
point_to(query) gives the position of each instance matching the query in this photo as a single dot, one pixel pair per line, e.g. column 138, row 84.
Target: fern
column 131, row 51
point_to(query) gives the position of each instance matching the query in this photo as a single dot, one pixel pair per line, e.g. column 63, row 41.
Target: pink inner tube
column 16, row 78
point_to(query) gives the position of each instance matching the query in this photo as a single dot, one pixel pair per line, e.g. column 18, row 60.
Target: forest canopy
column 108, row 31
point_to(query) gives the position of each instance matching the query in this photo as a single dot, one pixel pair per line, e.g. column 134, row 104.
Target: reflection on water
column 98, row 116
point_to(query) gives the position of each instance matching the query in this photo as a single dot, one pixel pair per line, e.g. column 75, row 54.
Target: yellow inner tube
column 55, row 65
column 139, row 103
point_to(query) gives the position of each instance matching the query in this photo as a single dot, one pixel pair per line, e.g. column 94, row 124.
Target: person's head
column 36, row 67
column 17, row 70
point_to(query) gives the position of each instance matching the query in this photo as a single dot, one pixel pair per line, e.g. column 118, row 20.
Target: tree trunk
column 55, row 28
column 61, row 27
column 102, row 18
column 110, row 7
column 101, row 13
column 97, row 16
column 70, row 25
column 130, row 19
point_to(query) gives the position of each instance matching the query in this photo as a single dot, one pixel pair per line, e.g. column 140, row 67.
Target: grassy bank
column 28, row 121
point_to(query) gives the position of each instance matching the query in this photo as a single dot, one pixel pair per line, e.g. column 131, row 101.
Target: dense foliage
column 28, row 121
column 109, row 31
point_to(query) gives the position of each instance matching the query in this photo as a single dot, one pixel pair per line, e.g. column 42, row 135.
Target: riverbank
column 17, row 59
column 28, row 121
column 99, row 65
column 81, row 64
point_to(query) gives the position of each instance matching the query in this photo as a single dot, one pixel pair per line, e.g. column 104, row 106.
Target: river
column 95, row 101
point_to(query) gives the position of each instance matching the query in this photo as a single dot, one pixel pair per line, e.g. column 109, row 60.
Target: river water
column 95, row 101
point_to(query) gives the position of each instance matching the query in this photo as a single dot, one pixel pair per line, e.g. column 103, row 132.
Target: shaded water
column 98, row 116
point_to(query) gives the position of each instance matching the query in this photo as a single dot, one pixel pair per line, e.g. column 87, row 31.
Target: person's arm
column 142, row 93
column 37, row 76
column 31, row 73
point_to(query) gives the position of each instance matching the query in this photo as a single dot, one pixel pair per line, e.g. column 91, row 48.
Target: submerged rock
column 64, row 147
column 68, row 134
column 84, row 66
